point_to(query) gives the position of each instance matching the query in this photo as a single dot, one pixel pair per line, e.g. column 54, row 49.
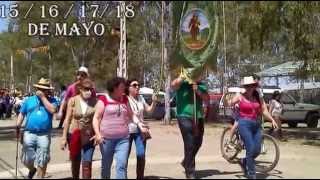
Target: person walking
column 275, row 109
column 62, row 94
column 250, row 108
column 110, row 124
column 38, row 110
column 82, row 73
column 78, row 132
column 192, row 133
column 139, row 131
column 2, row 105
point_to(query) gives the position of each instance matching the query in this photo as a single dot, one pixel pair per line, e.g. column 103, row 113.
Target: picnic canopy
column 286, row 69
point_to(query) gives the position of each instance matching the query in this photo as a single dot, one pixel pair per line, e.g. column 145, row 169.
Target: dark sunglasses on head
column 135, row 85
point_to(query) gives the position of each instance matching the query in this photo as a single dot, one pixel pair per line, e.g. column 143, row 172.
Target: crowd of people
column 10, row 103
column 115, row 119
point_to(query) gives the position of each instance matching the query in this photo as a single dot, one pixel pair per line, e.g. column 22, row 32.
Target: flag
column 195, row 29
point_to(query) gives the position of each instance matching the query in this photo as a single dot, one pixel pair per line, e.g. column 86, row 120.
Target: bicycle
column 265, row 162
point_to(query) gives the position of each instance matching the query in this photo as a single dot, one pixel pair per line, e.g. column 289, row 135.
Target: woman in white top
column 275, row 109
column 139, row 131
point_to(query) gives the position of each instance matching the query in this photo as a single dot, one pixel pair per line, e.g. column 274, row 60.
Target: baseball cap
column 83, row 69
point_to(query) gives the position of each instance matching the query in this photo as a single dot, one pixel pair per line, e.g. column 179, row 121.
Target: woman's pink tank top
column 114, row 123
column 249, row 109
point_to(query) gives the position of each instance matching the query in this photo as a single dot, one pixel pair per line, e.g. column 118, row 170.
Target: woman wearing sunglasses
column 251, row 106
column 139, row 131
column 78, row 129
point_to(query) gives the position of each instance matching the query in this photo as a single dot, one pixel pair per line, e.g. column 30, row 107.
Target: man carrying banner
column 191, row 124
column 194, row 58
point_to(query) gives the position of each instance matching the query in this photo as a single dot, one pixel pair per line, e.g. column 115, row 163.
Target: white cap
column 248, row 80
column 83, row 69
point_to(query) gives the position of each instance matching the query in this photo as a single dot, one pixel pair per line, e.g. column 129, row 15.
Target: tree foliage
column 258, row 34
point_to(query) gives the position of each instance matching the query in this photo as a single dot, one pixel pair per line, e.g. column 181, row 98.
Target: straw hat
column 248, row 80
column 43, row 84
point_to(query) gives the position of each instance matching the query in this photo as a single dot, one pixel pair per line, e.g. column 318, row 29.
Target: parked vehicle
column 293, row 112
column 213, row 107
column 159, row 111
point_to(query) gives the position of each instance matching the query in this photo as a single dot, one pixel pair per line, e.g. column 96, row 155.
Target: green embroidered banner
column 195, row 29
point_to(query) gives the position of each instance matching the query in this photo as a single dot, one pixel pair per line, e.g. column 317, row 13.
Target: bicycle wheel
column 228, row 153
column 269, row 155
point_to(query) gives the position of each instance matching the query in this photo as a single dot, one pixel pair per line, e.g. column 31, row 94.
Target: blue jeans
column 86, row 151
column 140, row 144
column 250, row 132
column 192, row 143
column 119, row 148
column 140, row 152
column 36, row 149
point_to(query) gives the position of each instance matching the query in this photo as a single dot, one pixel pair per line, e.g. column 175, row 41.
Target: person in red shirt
column 82, row 73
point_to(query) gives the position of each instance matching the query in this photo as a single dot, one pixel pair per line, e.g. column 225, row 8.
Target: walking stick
column 195, row 124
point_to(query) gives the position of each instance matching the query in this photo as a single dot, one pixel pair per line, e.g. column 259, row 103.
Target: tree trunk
column 238, row 43
column 74, row 57
column 301, row 98
column 167, row 118
column 165, row 37
column 11, row 74
column 225, row 78
column 50, row 64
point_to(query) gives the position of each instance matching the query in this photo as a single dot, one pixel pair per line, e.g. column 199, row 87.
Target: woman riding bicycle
column 250, row 108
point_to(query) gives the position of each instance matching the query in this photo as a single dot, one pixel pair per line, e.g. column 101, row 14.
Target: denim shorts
column 36, row 149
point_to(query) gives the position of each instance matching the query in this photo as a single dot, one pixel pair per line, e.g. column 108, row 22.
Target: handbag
column 146, row 136
column 75, row 144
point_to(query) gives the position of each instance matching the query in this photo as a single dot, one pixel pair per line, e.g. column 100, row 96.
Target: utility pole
column 122, row 63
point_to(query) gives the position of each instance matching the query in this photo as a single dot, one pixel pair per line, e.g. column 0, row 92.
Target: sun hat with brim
column 248, row 80
column 43, row 84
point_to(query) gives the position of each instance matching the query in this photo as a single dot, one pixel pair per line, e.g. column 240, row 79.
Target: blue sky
column 4, row 21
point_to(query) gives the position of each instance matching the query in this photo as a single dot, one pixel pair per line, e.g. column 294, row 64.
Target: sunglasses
column 87, row 88
column 82, row 74
column 252, row 85
column 135, row 85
